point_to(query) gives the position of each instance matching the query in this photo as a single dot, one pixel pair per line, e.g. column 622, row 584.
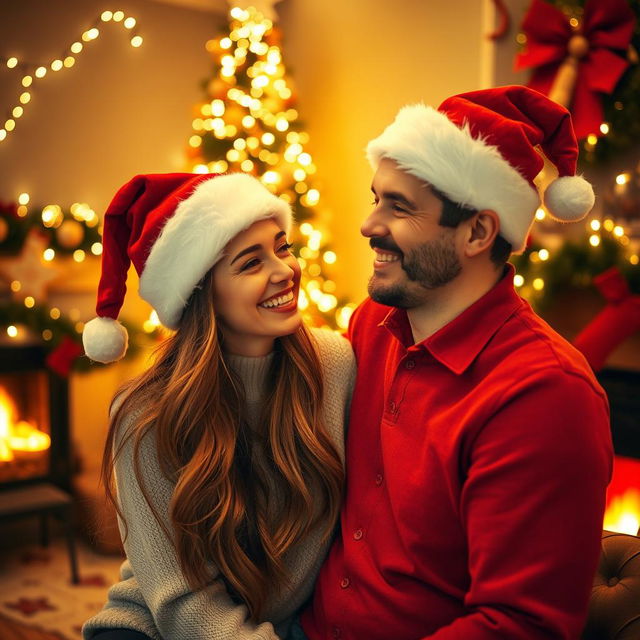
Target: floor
column 37, row 599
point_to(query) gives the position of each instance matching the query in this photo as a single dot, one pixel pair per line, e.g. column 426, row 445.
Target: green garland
column 38, row 319
column 18, row 227
column 53, row 331
column 573, row 266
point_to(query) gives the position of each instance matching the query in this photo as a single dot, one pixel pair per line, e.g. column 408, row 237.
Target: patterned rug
column 36, row 589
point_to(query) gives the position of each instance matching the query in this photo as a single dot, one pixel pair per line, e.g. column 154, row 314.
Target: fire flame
column 17, row 436
column 623, row 513
column 623, row 497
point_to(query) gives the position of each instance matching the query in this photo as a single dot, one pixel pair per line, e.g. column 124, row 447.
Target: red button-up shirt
column 477, row 464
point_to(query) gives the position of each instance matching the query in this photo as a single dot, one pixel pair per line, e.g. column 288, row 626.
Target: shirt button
column 379, row 479
column 357, row 534
column 335, row 632
column 409, row 364
column 344, row 583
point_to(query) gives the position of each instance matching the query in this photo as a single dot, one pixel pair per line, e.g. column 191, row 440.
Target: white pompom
column 569, row 198
column 105, row 340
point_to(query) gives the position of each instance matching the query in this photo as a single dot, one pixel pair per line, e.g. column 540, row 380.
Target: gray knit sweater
column 153, row 596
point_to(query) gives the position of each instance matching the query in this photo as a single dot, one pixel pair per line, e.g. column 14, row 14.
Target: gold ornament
column 70, row 234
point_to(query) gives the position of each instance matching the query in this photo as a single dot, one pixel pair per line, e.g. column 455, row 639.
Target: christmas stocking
column 614, row 324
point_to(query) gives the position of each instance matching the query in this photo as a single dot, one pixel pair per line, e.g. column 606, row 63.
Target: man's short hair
column 453, row 214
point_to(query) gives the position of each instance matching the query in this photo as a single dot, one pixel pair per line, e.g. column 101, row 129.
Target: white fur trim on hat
column 105, row 340
column 569, row 198
column 193, row 239
column 470, row 172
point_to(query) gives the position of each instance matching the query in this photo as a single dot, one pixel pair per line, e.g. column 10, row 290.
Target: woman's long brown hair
column 220, row 511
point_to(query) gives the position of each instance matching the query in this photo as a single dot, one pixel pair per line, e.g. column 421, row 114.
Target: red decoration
column 61, row 359
column 37, row 556
column 29, row 606
column 574, row 64
column 94, row 580
column 8, row 209
column 614, row 324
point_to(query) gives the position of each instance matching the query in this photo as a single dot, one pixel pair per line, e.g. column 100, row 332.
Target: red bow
column 602, row 41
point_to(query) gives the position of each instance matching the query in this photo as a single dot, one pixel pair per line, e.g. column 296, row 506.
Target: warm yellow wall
column 119, row 111
column 354, row 64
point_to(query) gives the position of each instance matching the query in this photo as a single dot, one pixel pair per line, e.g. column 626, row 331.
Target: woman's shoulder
column 331, row 341
column 334, row 349
column 130, row 407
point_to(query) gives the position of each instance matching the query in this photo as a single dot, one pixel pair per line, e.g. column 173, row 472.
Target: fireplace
column 623, row 496
column 35, row 465
column 34, row 420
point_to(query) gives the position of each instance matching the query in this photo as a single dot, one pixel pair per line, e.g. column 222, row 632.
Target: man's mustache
column 384, row 243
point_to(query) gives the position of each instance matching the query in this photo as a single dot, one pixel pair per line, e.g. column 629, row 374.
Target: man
column 479, row 448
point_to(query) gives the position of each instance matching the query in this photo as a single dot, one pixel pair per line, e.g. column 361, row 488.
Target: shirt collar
column 458, row 343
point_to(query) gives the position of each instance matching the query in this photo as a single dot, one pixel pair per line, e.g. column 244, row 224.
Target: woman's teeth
column 277, row 302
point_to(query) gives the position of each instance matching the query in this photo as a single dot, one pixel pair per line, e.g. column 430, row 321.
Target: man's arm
column 532, row 506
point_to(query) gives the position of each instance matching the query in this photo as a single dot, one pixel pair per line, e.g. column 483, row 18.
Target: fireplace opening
column 34, row 420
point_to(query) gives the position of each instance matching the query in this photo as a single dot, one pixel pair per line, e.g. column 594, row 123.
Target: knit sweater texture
column 153, row 596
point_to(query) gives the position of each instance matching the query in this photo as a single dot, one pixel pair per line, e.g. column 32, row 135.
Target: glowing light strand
column 32, row 73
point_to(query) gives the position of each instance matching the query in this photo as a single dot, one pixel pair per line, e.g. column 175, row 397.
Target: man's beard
column 429, row 266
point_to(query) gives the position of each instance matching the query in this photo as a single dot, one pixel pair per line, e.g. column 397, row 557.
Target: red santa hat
column 480, row 149
column 174, row 228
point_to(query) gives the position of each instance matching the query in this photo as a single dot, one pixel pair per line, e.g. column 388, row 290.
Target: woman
column 228, row 451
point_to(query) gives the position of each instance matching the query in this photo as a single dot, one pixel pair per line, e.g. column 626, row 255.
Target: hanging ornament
column 62, row 358
column 70, row 234
column 576, row 60
column 30, row 269
column 217, row 88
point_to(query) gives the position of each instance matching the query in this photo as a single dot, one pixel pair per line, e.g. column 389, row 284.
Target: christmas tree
column 248, row 122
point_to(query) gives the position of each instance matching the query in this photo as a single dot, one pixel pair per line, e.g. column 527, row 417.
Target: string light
column 31, row 73
column 151, row 323
column 622, row 178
